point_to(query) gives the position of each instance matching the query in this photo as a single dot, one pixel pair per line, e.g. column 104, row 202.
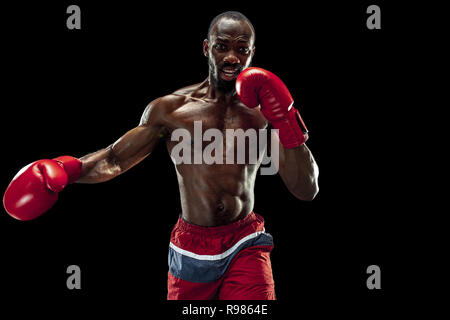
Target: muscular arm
column 299, row 172
column 128, row 150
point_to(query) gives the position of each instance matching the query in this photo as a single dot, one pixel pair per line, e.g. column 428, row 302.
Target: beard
column 226, row 87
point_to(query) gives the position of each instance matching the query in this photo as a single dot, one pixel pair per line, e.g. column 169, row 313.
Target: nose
column 231, row 59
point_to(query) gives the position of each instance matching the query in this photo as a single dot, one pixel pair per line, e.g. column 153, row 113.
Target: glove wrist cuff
column 292, row 130
column 72, row 166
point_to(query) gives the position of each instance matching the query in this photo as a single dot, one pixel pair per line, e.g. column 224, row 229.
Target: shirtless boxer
column 218, row 248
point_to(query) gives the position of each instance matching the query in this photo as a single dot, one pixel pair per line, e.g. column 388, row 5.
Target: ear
column 253, row 51
column 205, row 47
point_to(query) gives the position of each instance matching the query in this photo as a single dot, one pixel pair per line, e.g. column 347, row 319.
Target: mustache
column 236, row 66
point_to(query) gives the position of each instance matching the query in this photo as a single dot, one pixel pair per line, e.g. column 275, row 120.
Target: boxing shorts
column 229, row 262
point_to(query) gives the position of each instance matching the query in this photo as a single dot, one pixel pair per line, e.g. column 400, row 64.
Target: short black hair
column 235, row 15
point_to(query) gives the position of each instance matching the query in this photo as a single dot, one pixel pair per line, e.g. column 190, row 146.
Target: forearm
column 299, row 172
column 99, row 166
column 126, row 152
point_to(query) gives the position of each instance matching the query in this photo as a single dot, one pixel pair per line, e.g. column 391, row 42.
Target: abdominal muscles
column 213, row 195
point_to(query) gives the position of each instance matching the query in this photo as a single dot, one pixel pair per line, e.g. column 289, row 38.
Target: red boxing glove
column 256, row 86
column 34, row 189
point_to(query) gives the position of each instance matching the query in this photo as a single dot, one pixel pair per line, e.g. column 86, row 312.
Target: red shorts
column 230, row 262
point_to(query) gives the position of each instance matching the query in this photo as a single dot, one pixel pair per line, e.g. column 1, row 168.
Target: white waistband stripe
column 216, row 256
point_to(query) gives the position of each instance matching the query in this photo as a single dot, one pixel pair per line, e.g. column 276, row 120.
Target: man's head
column 230, row 47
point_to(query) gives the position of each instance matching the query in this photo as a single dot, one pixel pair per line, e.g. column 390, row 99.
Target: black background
column 76, row 91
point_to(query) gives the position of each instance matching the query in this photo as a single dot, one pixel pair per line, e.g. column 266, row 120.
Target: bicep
column 139, row 142
column 134, row 145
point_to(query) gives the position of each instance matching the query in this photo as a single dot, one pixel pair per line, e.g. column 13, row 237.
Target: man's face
column 229, row 50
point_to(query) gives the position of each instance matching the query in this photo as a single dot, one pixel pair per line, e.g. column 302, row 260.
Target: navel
column 220, row 206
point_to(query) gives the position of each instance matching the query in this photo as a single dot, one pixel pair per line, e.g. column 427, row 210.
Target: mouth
column 229, row 73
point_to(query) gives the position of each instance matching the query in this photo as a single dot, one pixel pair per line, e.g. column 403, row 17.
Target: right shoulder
column 159, row 108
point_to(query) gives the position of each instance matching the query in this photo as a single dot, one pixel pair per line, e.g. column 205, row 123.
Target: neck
column 217, row 94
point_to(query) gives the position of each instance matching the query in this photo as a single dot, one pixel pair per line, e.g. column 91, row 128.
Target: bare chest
column 216, row 116
column 202, row 128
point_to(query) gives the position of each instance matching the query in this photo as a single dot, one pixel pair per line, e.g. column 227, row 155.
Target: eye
column 220, row 47
column 244, row 50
